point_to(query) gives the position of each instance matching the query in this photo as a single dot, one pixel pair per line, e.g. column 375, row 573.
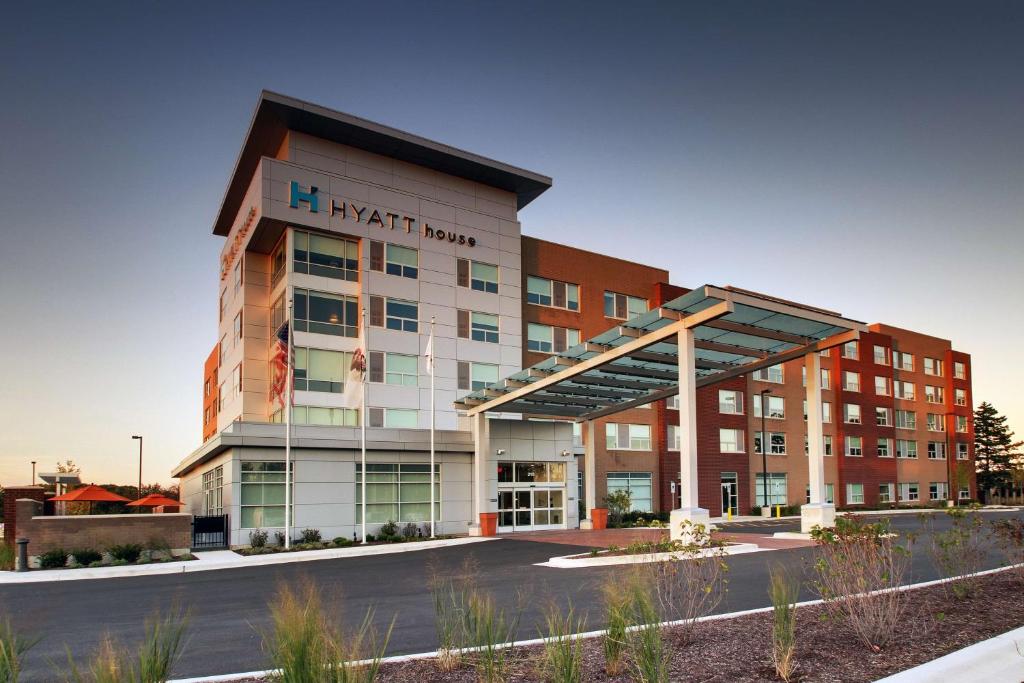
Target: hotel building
column 338, row 215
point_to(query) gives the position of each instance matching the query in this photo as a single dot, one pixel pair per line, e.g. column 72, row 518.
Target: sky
column 863, row 157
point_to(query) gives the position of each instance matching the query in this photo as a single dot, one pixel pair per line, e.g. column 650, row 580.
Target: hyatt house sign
column 373, row 216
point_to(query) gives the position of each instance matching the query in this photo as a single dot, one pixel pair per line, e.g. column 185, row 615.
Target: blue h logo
column 310, row 197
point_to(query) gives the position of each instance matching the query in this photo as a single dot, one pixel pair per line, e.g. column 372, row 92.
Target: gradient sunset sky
column 862, row 157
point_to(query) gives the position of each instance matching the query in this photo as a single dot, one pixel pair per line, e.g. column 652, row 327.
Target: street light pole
column 140, row 464
column 33, row 482
column 764, row 452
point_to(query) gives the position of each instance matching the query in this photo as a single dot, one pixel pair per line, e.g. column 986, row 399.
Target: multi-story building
column 369, row 238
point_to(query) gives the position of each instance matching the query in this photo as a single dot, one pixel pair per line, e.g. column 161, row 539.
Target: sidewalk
column 226, row 559
column 996, row 660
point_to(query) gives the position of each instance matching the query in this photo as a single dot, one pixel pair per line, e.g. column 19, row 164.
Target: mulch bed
column 739, row 650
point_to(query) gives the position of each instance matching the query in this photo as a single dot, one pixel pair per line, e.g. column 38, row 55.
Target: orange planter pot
column 599, row 516
column 488, row 523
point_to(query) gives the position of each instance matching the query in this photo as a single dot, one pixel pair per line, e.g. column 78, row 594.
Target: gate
column 209, row 532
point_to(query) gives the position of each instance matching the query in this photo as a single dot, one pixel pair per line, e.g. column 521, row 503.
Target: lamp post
column 764, row 454
column 33, row 482
column 140, row 463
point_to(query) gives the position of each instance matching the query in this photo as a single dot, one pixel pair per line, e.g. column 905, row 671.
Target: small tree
column 618, row 503
column 995, row 451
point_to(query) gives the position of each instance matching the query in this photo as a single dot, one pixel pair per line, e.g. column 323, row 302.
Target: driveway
column 229, row 607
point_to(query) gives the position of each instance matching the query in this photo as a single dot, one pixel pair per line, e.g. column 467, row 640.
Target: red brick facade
column 11, row 496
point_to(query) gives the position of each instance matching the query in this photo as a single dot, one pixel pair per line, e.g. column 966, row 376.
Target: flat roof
column 735, row 332
column 275, row 114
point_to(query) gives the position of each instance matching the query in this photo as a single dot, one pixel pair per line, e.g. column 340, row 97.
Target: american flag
column 279, row 364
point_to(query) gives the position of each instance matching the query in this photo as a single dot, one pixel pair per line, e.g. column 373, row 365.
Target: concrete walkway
column 604, row 538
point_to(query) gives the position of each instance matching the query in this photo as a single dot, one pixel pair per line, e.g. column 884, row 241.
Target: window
column 885, row 493
column 543, row 292
column 321, row 370
column 238, row 274
column 961, row 424
column 851, row 413
column 933, row 366
column 236, row 330
column 627, row 437
column 851, row 381
column 393, row 418
column 825, row 378
column 397, row 492
column 223, row 304
column 903, row 361
column 881, row 355
column 221, row 396
column 906, row 448
column 883, row 417
column 934, row 394
column 960, row 397
column 622, row 306
column 854, row 446
column 905, row 390
column 776, row 406
column 881, row 386
column 906, row 419
column 483, row 327
column 884, row 449
column 776, row 443
column 277, row 314
column 475, row 376
column 730, row 440
column 672, row 402
column 278, row 260
column 326, row 256
column 236, row 381
column 637, row 484
column 855, row 494
column 826, row 442
column 483, row 277
column 673, row 438
column 729, row 402
column 262, row 491
column 851, row 349
column 936, row 450
column 965, row 493
column 325, row 313
column 777, row 489
column 938, row 490
column 826, row 411
column 959, row 370
column 936, row 423
column 548, row 339
column 401, row 261
column 577, row 440
column 394, row 314
column 530, row 472
column 961, row 451
column 213, row 491
column 317, row 415
column 397, row 369
column 774, row 374
column 909, row 491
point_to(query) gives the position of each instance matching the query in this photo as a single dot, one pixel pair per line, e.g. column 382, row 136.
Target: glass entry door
column 531, row 509
column 730, row 494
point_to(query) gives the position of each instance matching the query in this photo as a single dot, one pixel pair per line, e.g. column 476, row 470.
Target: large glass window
column 855, row 494
column 729, row 402
column 903, row 361
column 881, row 355
column 776, row 443
column 213, row 491
column 777, row 489
column 909, row 491
column 773, row 374
column 401, row 315
column 623, row 306
column 730, row 440
column 483, row 327
column 851, row 381
column 938, row 490
column 548, row 339
column 934, row 394
column 936, row 450
column 851, row 413
column 630, row 437
column 325, row 313
column 933, row 366
column 906, row 448
column 855, row 446
column 543, row 292
column 483, row 375
column 326, row 256
column 531, row 472
column 321, row 370
column 483, row 277
column 262, row 490
column 401, row 369
column 397, row 493
column 960, row 397
column 637, row 484
column 936, row 423
column 318, row 415
column 906, row 419
column 401, row 261
column 959, row 370
column 776, row 406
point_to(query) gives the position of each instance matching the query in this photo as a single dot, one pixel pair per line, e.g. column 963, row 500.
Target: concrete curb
column 573, row 562
column 240, row 561
column 996, row 660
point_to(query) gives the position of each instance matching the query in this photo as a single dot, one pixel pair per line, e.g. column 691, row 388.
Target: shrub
column 619, row 618
column 309, row 536
column 648, row 653
column 54, row 559
column 12, row 650
column 783, row 590
column 125, row 552
column 158, row 545
column 858, row 568
column 279, row 539
column 410, row 531
column 6, row 557
column 258, row 538
column 1009, row 534
column 342, row 542
column 86, row 556
column 389, row 529
column 618, row 503
column 563, row 649
column 489, row 628
column 958, row 552
column 152, row 662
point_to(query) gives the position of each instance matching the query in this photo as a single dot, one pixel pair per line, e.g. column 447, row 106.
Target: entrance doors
column 730, row 493
column 531, row 509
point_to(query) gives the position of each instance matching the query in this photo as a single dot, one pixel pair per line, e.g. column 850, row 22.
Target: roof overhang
column 276, row 114
column 735, row 332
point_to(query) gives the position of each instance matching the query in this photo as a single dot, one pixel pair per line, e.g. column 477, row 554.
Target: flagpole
column 430, row 367
column 362, row 416
column 288, row 435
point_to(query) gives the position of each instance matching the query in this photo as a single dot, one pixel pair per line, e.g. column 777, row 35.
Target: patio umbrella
column 90, row 494
column 154, row 500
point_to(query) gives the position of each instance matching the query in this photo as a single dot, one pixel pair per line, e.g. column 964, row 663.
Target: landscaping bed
column 739, row 649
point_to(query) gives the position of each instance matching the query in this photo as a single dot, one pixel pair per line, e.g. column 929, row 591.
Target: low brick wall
column 99, row 532
column 12, row 495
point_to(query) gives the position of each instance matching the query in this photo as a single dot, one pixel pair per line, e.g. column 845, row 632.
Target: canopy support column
column 817, row 512
column 479, row 524
column 596, row 519
column 689, row 512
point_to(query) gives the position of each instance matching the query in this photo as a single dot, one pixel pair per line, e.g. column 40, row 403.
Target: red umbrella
column 154, row 500
column 90, row 494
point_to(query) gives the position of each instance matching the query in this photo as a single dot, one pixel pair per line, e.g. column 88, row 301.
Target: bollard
column 729, row 513
column 21, row 562
column 778, row 511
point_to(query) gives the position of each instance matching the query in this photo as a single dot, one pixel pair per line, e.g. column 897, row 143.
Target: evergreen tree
column 995, row 451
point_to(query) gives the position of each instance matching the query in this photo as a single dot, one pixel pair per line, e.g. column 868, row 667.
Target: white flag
column 353, row 396
column 429, row 352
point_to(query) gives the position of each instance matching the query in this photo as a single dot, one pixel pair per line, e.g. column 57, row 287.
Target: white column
column 589, row 473
column 481, row 456
column 817, row 512
column 690, row 509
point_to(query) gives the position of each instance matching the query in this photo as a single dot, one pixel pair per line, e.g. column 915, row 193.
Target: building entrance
column 730, row 494
column 531, row 496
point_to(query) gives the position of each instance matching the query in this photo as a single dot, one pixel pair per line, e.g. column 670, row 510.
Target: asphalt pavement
column 229, row 608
